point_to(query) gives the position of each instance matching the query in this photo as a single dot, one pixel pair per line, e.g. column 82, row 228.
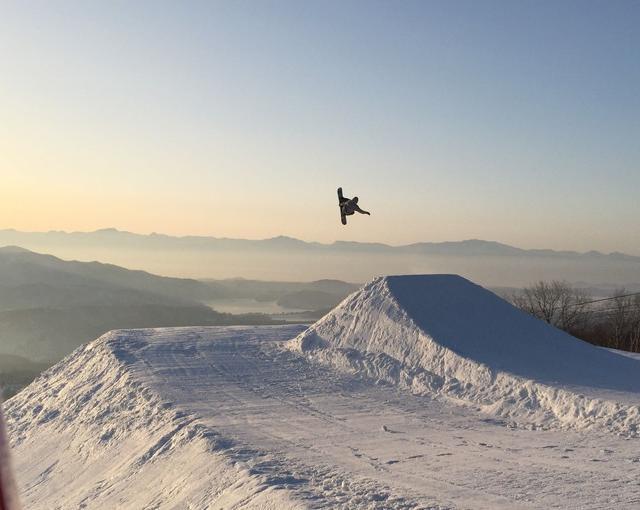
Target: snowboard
column 341, row 200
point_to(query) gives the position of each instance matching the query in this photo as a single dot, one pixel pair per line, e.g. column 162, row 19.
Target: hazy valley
column 283, row 258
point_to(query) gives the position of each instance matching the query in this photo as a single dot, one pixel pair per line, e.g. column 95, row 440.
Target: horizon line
column 287, row 237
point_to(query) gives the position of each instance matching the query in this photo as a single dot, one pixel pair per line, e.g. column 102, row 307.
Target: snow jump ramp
column 375, row 406
column 443, row 334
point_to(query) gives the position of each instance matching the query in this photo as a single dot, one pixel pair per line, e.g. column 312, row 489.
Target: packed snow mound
column 444, row 334
column 195, row 417
column 99, row 436
column 233, row 418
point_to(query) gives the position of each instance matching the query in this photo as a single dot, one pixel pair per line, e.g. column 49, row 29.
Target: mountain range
column 284, row 258
column 49, row 306
column 120, row 238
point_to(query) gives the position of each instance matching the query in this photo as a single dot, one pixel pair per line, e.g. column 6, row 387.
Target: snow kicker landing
column 443, row 335
column 236, row 417
column 200, row 418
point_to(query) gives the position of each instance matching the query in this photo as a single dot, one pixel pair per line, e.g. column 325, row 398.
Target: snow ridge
column 443, row 335
column 116, row 425
column 119, row 436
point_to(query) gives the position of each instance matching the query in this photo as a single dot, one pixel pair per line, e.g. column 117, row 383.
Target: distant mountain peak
column 285, row 240
column 14, row 249
column 113, row 231
column 483, row 242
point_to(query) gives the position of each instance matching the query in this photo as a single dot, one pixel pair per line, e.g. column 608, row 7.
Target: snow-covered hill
column 442, row 334
column 503, row 412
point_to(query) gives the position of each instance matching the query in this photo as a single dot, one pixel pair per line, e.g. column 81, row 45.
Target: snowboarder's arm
column 361, row 211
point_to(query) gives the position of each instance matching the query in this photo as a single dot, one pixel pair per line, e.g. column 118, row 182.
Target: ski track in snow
column 229, row 418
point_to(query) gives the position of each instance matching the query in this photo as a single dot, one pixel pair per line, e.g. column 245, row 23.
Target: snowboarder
column 348, row 206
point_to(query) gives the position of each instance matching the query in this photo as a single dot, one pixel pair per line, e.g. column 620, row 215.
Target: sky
column 510, row 121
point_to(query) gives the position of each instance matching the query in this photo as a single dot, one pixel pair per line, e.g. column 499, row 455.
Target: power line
column 582, row 303
column 609, row 310
column 605, row 299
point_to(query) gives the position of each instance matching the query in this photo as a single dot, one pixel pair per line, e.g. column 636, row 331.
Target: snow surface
column 442, row 334
column 416, row 392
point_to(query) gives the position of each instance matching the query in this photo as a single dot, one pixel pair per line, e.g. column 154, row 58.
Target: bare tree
column 634, row 337
column 624, row 321
column 610, row 322
column 555, row 302
column 619, row 318
column 572, row 305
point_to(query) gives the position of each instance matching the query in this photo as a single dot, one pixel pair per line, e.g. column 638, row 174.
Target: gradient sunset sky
column 511, row 121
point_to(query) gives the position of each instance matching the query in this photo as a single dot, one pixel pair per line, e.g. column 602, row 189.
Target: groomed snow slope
column 442, row 334
column 190, row 418
column 239, row 418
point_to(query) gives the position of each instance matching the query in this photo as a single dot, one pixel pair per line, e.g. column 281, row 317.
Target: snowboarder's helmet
column 355, row 199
